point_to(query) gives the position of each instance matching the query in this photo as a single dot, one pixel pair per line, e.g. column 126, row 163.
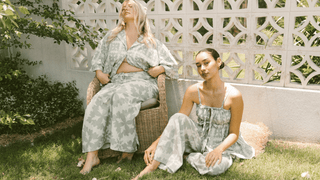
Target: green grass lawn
column 56, row 156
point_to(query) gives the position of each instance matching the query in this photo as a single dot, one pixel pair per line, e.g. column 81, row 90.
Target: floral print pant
column 109, row 120
column 184, row 135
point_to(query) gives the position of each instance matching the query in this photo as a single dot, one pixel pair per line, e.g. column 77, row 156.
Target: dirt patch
column 6, row 139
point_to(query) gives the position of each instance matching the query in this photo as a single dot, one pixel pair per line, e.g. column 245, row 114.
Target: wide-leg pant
column 184, row 135
column 109, row 120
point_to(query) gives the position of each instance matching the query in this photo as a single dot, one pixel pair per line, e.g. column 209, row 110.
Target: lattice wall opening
column 269, row 42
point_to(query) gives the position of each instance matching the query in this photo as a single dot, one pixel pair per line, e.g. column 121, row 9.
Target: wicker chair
column 149, row 122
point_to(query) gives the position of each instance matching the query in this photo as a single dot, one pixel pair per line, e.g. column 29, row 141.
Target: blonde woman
column 127, row 62
column 215, row 138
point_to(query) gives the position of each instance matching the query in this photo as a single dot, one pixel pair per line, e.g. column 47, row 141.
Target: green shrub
column 54, row 24
column 46, row 102
column 9, row 118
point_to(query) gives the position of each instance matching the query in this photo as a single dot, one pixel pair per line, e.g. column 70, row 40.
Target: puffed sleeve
column 100, row 55
column 167, row 61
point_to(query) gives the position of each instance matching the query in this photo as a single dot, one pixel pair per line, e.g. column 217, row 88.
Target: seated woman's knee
column 178, row 118
column 225, row 164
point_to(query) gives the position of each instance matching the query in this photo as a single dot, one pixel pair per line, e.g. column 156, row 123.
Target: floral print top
column 215, row 122
column 109, row 56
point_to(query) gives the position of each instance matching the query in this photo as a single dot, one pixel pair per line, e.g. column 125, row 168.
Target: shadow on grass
column 49, row 155
column 187, row 172
column 55, row 157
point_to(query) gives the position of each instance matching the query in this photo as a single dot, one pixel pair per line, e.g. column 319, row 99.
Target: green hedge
column 45, row 102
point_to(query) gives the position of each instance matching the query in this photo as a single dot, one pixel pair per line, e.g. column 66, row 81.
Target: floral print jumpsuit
column 182, row 134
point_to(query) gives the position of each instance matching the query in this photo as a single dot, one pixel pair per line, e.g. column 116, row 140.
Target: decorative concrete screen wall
column 271, row 49
column 261, row 41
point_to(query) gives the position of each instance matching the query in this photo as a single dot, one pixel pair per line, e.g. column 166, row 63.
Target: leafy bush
column 54, row 24
column 12, row 118
column 46, row 102
column 24, row 100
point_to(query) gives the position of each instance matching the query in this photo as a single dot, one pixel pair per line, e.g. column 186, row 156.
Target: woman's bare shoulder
column 192, row 92
column 193, row 88
column 233, row 93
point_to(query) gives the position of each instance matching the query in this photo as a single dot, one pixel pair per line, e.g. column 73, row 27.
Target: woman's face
column 206, row 65
column 128, row 12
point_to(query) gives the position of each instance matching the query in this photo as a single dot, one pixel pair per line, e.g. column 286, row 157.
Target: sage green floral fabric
column 183, row 135
column 109, row 56
column 109, row 120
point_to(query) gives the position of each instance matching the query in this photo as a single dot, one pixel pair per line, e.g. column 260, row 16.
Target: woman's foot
column 185, row 156
column 125, row 156
column 91, row 161
column 148, row 169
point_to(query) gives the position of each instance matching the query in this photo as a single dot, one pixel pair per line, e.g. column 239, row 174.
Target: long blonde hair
column 141, row 21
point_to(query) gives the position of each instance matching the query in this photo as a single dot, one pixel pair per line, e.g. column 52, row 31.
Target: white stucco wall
column 55, row 65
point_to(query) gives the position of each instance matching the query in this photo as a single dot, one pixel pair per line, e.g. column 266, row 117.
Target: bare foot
column 185, row 156
column 92, row 160
column 146, row 170
column 124, row 156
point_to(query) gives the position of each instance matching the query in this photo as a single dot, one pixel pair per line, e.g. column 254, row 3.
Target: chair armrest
column 93, row 88
column 163, row 102
column 162, row 88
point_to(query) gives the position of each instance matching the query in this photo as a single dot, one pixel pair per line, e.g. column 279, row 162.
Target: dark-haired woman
column 215, row 138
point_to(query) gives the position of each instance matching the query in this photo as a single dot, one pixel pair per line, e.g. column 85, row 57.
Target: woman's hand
column 213, row 156
column 103, row 78
column 155, row 71
column 149, row 153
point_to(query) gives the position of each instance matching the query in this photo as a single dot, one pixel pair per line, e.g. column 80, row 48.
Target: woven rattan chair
column 149, row 122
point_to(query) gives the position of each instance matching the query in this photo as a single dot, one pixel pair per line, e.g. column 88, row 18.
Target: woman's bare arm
column 103, row 78
column 156, row 71
column 189, row 98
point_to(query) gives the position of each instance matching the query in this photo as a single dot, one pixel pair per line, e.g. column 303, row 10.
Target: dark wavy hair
column 213, row 53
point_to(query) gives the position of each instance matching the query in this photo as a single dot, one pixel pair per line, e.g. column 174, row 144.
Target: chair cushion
column 150, row 103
